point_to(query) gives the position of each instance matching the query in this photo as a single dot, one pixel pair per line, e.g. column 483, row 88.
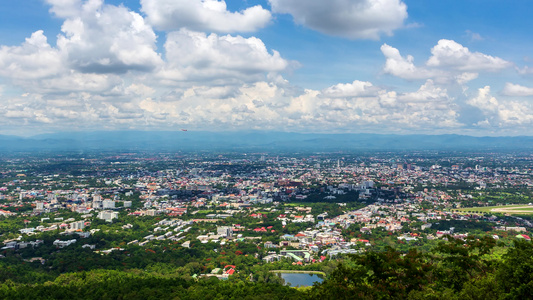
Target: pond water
column 300, row 279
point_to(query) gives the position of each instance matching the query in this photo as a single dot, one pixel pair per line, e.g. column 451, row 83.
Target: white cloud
column 354, row 89
column 402, row 67
column 517, row 115
column 429, row 107
column 353, row 19
column 139, row 89
column 466, row 77
column 511, row 89
column 260, row 105
column 78, row 82
column 502, row 114
column 428, row 92
column 203, row 15
column 99, row 38
column 67, row 8
column 97, row 43
column 194, row 56
column 450, row 54
column 35, row 58
column 105, row 73
column 450, row 62
column 484, row 100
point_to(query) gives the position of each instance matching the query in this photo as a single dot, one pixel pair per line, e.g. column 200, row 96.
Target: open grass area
column 527, row 208
column 508, row 209
column 486, row 208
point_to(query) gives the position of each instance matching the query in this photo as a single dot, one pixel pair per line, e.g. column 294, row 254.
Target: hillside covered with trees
column 475, row 268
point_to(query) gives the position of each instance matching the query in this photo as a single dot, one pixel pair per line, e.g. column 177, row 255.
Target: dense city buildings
column 243, row 214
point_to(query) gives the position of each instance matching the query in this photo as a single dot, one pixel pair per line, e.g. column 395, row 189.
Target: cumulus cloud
column 427, row 93
column 484, row 100
column 501, row 114
column 354, row 89
column 105, row 73
column 429, row 108
column 465, row 77
column 450, row 62
column 511, row 89
column 376, row 108
column 259, row 105
column 403, row 67
column 193, row 56
column 69, row 8
column 353, row 19
column 450, row 54
column 99, row 38
column 78, row 82
column 203, row 15
column 35, row 58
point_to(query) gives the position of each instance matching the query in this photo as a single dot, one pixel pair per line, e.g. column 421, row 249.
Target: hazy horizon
column 256, row 141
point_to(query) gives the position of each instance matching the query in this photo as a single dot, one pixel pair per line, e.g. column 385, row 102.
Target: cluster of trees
column 463, row 226
column 104, row 284
column 471, row 269
column 475, row 268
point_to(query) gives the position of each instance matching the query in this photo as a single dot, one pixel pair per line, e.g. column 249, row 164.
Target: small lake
column 300, row 279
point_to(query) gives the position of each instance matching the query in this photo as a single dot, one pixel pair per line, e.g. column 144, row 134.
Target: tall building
column 368, row 184
column 39, row 205
column 107, row 204
column 108, row 216
column 77, row 225
column 97, row 204
column 226, row 231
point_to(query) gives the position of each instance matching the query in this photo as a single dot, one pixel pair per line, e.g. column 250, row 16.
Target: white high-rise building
column 108, row 216
column 39, row 205
column 97, row 204
column 77, row 225
column 107, row 204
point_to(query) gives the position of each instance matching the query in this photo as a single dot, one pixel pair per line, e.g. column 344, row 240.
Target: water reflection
column 300, row 279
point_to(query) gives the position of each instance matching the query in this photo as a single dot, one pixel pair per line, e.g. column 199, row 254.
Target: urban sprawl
column 242, row 214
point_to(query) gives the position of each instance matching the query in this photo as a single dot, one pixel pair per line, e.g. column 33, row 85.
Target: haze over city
column 365, row 66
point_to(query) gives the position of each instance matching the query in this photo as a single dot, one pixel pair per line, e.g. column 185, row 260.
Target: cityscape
column 240, row 216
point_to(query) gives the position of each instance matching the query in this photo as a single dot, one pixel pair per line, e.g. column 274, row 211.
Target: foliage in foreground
column 105, row 284
column 454, row 270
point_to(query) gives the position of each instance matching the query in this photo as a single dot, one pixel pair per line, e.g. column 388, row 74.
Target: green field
column 509, row 209
column 528, row 208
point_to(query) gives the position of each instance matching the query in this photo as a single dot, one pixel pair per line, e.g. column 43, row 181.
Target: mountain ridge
column 256, row 140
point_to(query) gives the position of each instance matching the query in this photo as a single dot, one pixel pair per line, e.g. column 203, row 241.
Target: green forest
column 474, row 268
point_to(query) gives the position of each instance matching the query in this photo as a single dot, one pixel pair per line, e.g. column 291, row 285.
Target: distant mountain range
column 254, row 141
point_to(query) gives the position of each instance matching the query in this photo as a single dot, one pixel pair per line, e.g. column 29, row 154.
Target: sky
column 338, row 66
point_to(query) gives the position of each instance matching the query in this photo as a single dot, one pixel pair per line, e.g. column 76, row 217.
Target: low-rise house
column 62, row 244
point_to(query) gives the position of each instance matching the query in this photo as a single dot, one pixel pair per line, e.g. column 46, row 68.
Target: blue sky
column 379, row 66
